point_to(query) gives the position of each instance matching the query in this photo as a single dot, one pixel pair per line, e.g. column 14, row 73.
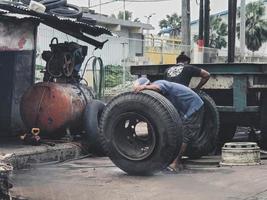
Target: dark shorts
column 192, row 125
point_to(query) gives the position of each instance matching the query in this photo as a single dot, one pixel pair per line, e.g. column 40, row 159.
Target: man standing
column 183, row 72
column 188, row 104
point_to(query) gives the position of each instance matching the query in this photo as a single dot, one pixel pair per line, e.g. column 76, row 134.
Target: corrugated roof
column 67, row 25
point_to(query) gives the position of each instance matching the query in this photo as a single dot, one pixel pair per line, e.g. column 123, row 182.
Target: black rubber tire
column 206, row 142
column 165, row 129
column 92, row 115
column 226, row 133
column 263, row 120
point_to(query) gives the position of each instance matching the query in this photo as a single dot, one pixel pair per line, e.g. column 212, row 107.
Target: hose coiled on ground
column 59, row 8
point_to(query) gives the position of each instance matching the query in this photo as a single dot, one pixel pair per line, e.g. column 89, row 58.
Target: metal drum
column 240, row 153
column 54, row 107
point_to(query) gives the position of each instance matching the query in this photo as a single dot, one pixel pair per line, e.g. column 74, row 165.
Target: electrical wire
column 105, row 3
column 141, row 1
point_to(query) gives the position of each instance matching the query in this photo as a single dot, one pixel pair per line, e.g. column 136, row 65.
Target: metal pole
column 148, row 21
column 124, row 62
column 200, row 26
column 231, row 30
column 186, row 32
column 207, row 23
column 100, row 7
column 242, row 30
column 124, row 10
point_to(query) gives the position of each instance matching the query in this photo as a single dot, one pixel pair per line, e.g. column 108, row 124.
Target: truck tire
column 92, row 114
column 263, row 120
column 141, row 132
column 226, row 133
column 207, row 140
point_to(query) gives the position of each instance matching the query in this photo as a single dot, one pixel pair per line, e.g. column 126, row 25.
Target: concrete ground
column 98, row 178
column 20, row 156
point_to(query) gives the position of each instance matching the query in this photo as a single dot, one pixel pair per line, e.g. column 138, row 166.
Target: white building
column 128, row 41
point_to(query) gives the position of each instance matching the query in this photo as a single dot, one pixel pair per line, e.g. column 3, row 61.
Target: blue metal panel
column 240, row 93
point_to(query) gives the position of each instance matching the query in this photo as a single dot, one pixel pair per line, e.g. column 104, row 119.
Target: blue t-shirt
column 185, row 100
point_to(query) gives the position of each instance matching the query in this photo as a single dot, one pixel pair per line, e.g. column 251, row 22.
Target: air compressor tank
column 53, row 107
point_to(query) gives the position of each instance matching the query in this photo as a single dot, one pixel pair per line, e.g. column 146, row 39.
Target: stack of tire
column 142, row 132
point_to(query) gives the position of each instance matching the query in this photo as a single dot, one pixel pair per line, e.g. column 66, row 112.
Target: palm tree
column 218, row 32
column 172, row 25
column 256, row 26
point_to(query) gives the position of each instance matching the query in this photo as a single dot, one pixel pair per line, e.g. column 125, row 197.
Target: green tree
column 218, row 32
column 256, row 26
column 172, row 23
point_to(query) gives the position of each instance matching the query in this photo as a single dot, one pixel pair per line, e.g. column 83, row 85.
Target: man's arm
column 205, row 76
column 152, row 86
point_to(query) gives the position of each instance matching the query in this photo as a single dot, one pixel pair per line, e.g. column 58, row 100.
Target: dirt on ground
column 99, row 179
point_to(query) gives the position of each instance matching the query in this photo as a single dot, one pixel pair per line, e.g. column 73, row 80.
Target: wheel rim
column 133, row 136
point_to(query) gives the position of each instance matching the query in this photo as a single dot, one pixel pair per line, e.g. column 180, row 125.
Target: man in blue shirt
column 188, row 104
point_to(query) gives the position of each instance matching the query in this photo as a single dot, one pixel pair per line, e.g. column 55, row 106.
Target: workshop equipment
column 18, row 53
column 53, row 107
column 240, row 153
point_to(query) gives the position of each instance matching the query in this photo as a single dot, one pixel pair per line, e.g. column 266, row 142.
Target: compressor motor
column 64, row 61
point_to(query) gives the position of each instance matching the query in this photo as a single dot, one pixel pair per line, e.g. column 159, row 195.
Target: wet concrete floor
column 98, row 178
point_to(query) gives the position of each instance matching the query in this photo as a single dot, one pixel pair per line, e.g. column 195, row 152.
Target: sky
column 160, row 8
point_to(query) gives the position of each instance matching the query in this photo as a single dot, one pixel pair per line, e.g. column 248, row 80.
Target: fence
column 119, row 53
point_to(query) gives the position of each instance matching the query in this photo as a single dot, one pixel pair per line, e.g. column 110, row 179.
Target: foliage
column 256, row 26
column 218, row 32
column 114, row 75
column 173, row 23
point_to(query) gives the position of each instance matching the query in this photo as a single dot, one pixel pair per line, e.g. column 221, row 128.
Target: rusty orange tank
column 53, row 107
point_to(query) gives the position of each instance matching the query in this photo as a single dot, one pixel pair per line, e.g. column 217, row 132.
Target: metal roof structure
column 73, row 27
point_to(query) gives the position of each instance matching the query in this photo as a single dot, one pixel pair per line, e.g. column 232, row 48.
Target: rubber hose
column 59, row 8
column 55, row 4
column 65, row 11
column 98, row 87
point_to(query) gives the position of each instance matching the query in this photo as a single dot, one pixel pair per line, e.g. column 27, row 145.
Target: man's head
column 182, row 58
column 141, row 81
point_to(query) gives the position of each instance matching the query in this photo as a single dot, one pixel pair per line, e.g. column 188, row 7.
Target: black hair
column 182, row 58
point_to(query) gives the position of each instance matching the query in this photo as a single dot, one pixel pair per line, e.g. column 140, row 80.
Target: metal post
column 123, row 63
column 186, row 32
column 124, row 10
column 242, row 30
column 200, row 26
column 206, row 30
column 231, row 30
column 207, row 23
column 100, row 7
column 148, row 21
